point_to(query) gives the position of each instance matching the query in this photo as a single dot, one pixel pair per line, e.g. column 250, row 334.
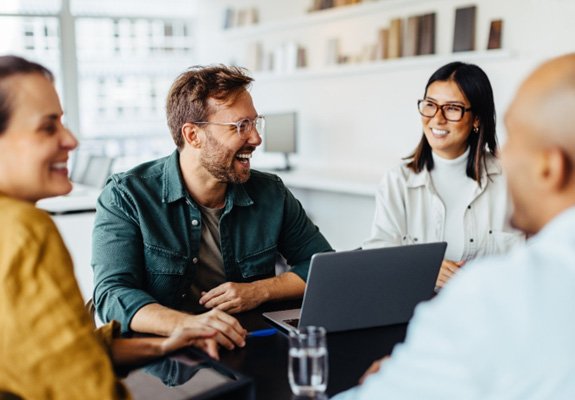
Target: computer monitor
column 280, row 135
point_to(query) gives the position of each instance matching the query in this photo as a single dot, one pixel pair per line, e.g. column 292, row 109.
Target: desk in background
column 340, row 203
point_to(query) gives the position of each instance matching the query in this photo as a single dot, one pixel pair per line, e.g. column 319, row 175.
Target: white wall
column 367, row 121
column 363, row 121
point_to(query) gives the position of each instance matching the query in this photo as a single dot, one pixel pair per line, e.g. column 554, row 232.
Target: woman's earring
column 475, row 129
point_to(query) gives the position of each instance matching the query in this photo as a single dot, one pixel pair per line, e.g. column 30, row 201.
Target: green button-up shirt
column 147, row 235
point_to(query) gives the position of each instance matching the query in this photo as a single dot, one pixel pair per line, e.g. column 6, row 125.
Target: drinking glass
column 308, row 366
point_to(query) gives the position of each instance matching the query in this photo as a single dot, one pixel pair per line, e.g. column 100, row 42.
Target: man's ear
column 556, row 169
column 190, row 134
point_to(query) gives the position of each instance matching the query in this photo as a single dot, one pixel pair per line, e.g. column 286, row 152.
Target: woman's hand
column 373, row 368
column 202, row 338
column 448, row 270
column 127, row 352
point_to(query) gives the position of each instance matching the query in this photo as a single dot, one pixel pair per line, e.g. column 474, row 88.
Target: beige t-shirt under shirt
column 210, row 267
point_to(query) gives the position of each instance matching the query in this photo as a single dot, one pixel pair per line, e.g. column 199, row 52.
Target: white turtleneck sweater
column 455, row 189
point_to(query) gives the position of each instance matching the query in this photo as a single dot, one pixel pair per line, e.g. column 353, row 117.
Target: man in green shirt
column 187, row 239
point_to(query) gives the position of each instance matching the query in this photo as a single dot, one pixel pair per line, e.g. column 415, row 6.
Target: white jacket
column 409, row 211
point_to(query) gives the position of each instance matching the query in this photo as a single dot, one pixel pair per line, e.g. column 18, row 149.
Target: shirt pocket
column 258, row 264
column 165, row 271
column 500, row 242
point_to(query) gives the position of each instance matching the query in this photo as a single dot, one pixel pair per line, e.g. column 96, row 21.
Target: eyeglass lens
column 245, row 126
column 451, row 112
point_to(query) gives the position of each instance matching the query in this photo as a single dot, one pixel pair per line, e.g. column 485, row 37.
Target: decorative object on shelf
column 285, row 58
column 495, row 33
column 394, row 49
column 244, row 16
column 254, row 56
column 464, row 32
column 318, row 5
column 332, row 51
column 426, row 41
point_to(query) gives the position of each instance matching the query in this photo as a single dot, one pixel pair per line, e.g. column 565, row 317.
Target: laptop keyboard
column 293, row 322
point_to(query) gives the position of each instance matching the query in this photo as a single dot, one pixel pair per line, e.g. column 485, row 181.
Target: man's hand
column 448, row 270
column 234, row 297
column 229, row 332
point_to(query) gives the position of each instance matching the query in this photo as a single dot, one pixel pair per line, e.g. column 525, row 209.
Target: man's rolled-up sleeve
column 117, row 258
column 300, row 239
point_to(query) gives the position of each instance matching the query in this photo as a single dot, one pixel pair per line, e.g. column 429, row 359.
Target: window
column 119, row 65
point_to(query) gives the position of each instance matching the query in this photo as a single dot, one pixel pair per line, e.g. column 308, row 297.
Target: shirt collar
column 561, row 226
column 173, row 186
column 174, row 189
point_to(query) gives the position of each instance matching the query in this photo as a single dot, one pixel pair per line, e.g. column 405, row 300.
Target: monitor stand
column 286, row 167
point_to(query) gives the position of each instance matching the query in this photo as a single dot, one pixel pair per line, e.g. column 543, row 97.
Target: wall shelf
column 385, row 65
column 316, row 17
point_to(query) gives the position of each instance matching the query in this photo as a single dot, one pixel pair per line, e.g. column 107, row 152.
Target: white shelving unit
column 318, row 17
column 357, row 25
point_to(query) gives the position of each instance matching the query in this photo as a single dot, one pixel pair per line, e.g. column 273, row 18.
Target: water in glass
column 308, row 363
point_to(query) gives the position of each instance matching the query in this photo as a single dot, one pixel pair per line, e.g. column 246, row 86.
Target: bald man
column 505, row 327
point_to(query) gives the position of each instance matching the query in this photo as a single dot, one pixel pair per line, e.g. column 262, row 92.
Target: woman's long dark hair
column 475, row 85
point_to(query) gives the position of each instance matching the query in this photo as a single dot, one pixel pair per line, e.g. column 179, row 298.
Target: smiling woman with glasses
column 451, row 188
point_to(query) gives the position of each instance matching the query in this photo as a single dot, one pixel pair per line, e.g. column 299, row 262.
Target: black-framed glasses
column 451, row 112
column 243, row 127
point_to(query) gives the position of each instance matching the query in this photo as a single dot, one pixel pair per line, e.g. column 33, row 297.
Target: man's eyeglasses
column 451, row 112
column 243, row 127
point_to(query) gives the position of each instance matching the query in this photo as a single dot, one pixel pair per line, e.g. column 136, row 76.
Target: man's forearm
column 282, row 287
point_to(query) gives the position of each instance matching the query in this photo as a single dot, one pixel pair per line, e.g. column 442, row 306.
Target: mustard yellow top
column 48, row 346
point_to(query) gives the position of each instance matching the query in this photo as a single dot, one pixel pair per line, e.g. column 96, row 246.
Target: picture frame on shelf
column 464, row 30
column 495, row 34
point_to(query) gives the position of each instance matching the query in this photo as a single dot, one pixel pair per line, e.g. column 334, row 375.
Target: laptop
column 365, row 288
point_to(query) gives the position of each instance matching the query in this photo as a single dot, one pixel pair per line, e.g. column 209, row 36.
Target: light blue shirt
column 503, row 328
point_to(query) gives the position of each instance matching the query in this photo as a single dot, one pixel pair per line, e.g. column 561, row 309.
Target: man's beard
column 219, row 162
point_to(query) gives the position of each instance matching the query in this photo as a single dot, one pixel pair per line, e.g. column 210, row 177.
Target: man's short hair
column 188, row 97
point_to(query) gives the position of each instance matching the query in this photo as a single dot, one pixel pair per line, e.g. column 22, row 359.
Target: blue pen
column 262, row 332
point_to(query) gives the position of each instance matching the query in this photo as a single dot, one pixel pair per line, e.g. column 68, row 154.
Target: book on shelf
column 464, row 32
column 325, row 4
column 254, row 56
column 411, row 38
column 301, row 57
column 394, row 49
column 495, row 33
column 381, row 52
column 229, row 18
column 316, row 6
column 241, row 17
column 426, row 41
column 253, row 15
